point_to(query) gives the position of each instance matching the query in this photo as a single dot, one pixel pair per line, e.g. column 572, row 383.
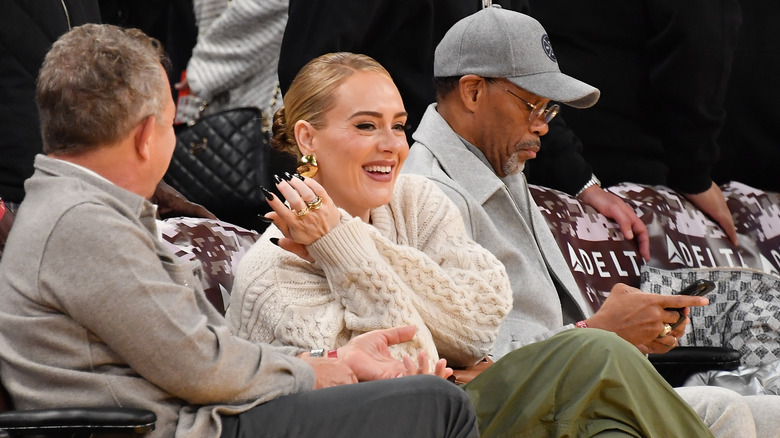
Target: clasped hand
column 367, row 357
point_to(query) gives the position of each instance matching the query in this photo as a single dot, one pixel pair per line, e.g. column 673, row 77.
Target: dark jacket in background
column 172, row 22
column 750, row 144
column 662, row 67
column 400, row 34
column 27, row 30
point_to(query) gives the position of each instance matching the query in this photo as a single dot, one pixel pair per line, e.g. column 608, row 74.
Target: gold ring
column 302, row 212
column 667, row 329
column 315, row 203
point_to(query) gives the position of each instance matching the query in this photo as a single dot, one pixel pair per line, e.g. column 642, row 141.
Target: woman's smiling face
column 362, row 146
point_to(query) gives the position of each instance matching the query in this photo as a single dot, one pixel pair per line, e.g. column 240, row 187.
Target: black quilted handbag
column 222, row 160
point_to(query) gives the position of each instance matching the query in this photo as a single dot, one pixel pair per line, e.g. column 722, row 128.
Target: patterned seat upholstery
column 217, row 245
column 681, row 236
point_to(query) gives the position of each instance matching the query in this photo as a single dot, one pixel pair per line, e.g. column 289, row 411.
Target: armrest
column 677, row 365
column 77, row 420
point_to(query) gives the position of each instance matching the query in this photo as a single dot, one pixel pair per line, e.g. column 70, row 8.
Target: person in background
column 663, row 70
column 496, row 74
column 749, row 149
column 6, row 221
column 235, row 58
column 27, row 30
column 233, row 66
column 95, row 311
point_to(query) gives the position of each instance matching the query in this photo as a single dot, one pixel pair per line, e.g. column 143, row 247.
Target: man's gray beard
column 513, row 165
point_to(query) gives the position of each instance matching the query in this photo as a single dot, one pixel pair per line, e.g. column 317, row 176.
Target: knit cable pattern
column 414, row 265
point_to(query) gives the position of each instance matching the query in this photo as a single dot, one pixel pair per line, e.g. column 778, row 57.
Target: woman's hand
column 311, row 213
column 421, row 367
column 369, row 357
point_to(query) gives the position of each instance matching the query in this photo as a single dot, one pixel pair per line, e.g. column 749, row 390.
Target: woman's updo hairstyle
column 312, row 94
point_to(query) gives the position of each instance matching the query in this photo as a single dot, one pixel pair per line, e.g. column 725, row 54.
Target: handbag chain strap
column 268, row 119
column 201, row 108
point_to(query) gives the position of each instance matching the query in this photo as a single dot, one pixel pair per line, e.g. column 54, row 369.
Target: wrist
column 321, row 352
column 593, row 181
column 581, row 324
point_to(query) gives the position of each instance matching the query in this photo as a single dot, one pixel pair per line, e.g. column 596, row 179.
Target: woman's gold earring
column 308, row 167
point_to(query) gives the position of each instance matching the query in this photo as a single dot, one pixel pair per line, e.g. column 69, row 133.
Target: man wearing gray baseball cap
column 500, row 43
column 495, row 76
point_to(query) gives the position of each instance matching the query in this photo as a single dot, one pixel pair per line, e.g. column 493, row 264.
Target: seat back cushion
column 681, row 236
column 217, row 245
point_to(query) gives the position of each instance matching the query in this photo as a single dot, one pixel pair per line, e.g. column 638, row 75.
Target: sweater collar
column 140, row 207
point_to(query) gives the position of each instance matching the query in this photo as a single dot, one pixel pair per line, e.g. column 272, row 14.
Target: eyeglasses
column 537, row 111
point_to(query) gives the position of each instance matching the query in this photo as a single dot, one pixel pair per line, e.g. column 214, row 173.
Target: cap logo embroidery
column 548, row 48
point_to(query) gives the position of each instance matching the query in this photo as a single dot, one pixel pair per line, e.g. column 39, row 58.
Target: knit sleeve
column 455, row 292
column 462, row 289
column 435, row 277
column 281, row 299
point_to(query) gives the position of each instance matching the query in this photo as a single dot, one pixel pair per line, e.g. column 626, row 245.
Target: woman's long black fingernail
column 287, row 176
column 277, row 179
column 298, row 176
column 269, row 196
column 265, row 219
column 274, row 240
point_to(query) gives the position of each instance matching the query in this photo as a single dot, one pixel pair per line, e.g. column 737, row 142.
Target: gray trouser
column 731, row 415
column 766, row 414
column 726, row 413
column 416, row 406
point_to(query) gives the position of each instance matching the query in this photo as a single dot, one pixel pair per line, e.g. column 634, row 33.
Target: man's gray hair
column 97, row 82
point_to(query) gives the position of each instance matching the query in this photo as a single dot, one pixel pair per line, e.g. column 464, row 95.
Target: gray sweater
column 94, row 311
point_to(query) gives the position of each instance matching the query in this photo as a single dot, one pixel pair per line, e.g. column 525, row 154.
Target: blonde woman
column 356, row 247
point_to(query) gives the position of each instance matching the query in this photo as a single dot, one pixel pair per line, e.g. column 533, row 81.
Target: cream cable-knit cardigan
column 414, row 265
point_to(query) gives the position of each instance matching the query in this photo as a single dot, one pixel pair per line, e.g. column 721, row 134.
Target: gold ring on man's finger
column 302, row 212
column 667, row 329
column 315, row 203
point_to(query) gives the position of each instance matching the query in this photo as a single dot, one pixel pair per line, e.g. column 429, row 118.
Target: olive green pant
column 579, row 383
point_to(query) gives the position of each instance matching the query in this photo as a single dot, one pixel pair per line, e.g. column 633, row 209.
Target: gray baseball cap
column 500, row 43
